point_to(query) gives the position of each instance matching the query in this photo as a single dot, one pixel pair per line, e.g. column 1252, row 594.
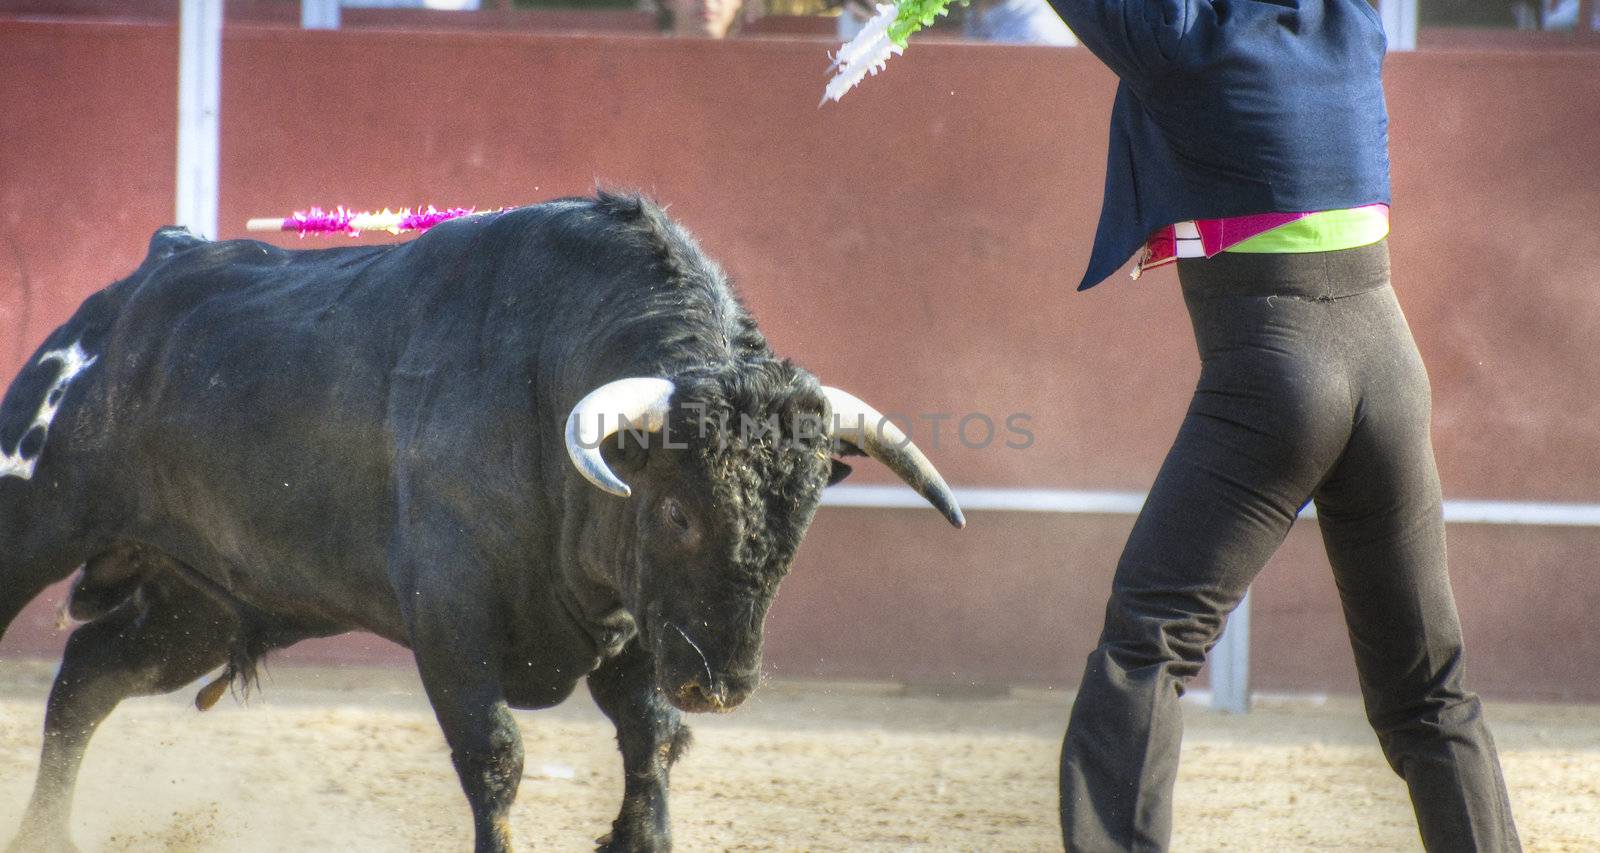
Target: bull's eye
column 676, row 515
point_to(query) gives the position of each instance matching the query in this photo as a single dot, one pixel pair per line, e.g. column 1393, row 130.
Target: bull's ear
column 839, row 472
column 840, row 469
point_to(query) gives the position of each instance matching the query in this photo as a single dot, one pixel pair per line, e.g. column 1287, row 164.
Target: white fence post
column 1230, row 663
column 199, row 99
column 319, row 14
column 1399, row 23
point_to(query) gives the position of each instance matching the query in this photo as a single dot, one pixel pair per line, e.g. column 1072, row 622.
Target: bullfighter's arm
column 1136, row 39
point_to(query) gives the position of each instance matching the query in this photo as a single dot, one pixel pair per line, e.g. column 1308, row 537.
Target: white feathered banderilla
column 882, row 37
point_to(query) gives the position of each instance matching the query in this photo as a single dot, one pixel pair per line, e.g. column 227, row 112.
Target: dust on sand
column 344, row 760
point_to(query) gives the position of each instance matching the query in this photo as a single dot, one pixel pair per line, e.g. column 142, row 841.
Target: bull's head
column 726, row 473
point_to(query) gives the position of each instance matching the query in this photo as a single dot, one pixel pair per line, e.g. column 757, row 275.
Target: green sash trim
column 1323, row 231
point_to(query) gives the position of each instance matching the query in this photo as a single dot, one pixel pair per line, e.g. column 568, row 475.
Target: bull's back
column 217, row 333
column 51, row 387
column 243, row 406
column 52, row 417
column 222, row 403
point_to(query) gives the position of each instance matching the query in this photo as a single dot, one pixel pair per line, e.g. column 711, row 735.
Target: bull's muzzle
column 692, row 684
column 721, row 696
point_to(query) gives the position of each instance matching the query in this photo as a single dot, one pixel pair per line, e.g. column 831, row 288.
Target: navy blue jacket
column 1233, row 107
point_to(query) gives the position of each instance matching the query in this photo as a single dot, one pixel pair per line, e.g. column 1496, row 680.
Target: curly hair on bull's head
column 759, row 434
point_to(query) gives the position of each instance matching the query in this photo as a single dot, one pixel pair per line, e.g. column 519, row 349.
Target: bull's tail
column 22, row 580
column 32, row 557
column 30, row 513
column 44, row 493
column 40, row 510
column 26, row 568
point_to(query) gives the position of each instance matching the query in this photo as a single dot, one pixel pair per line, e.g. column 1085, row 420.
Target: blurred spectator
column 705, row 18
column 1505, row 14
column 1005, row 21
column 1017, row 22
column 1551, row 15
column 853, row 14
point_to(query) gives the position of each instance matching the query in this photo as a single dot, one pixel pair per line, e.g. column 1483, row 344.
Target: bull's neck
column 599, row 548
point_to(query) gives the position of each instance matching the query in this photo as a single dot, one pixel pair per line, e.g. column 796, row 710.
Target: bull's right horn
column 642, row 402
column 860, row 424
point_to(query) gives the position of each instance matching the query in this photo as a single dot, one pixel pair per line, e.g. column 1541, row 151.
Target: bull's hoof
column 627, row 842
column 43, row 830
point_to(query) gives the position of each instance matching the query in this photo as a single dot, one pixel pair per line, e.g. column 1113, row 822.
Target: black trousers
column 1310, row 389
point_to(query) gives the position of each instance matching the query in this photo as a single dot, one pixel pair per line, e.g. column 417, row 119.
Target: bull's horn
column 863, row 426
column 641, row 401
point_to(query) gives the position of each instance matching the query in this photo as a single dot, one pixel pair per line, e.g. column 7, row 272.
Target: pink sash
column 1216, row 235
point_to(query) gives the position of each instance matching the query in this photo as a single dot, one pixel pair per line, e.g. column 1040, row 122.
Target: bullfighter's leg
column 651, row 735
column 162, row 638
column 1263, row 426
column 1383, row 524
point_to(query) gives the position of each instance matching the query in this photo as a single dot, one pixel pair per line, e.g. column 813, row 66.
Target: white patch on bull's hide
column 73, row 362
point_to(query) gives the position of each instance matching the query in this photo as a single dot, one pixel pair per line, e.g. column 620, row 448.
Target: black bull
column 244, row 447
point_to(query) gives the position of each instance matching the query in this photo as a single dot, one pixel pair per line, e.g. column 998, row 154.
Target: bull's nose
column 723, row 695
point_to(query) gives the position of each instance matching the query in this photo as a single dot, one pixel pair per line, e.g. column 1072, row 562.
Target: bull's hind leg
column 651, row 735
column 164, row 636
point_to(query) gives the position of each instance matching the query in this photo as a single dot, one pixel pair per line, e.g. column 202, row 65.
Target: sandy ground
column 352, row 760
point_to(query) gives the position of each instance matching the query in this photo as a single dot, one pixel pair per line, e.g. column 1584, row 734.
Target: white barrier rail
column 1230, row 660
column 1533, row 513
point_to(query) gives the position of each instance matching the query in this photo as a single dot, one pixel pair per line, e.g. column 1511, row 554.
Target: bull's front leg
column 651, row 735
column 444, row 604
column 485, row 746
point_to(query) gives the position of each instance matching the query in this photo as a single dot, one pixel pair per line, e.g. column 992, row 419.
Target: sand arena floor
column 352, row 760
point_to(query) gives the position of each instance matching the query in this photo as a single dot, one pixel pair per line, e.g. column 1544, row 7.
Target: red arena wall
column 917, row 244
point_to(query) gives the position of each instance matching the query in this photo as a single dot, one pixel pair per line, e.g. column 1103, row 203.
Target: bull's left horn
column 877, row 436
column 642, row 402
